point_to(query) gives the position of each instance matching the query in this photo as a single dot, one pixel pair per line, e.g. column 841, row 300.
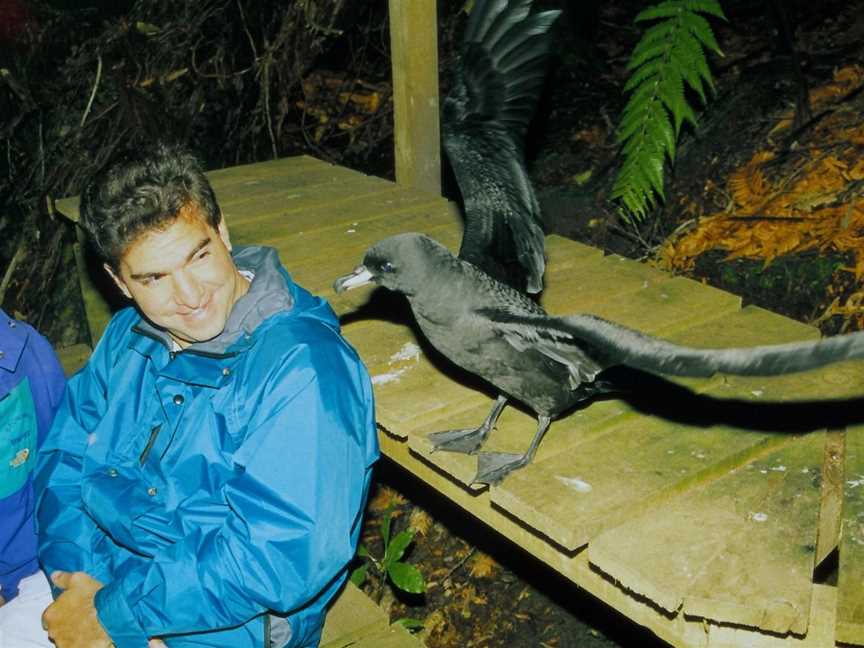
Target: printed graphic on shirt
column 17, row 438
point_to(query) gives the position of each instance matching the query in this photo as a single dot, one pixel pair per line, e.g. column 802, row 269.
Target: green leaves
column 669, row 56
column 390, row 566
column 406, row 577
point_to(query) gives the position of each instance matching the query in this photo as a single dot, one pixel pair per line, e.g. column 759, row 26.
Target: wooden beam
column 414, row 57
column 850, row 603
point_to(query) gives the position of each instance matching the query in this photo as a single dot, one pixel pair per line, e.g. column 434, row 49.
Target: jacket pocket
column 17, row 438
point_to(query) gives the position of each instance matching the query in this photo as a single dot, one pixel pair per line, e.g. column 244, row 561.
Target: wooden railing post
column 414, row 52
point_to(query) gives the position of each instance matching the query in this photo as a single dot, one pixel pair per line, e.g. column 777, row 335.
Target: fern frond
column 669, row 56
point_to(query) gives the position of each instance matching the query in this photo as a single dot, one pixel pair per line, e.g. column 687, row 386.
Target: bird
column 498, row 76
column 548, row 363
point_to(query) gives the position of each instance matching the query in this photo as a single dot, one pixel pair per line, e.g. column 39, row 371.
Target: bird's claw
column 465, row 441
column 492, row 467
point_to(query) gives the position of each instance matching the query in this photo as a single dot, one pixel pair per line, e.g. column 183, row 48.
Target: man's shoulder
column 118, row 331
column 288, row 329
column 312, row 335
column 122, row 321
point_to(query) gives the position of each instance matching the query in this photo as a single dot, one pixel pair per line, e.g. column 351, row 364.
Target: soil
column 481, row 590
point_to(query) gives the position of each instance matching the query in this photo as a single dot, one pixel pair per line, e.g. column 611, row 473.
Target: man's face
column 182, row 277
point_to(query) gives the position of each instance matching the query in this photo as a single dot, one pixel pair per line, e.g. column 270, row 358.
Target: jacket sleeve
column 66, row 532
column 293, row 511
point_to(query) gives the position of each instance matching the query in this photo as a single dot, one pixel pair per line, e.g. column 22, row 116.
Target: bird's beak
column 360, row 277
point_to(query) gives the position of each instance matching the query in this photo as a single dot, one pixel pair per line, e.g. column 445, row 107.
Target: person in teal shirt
column 31, row 384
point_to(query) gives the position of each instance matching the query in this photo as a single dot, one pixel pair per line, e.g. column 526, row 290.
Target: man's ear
column 223, row 232
column 118, row 280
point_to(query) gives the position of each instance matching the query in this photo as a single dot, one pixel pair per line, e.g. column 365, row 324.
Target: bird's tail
column 504, row 60
column 621, row 345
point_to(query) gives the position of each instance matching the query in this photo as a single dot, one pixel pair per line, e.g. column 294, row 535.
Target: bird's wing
column 526, row 332
column 608, row 344
column 502, row 65
column 503, row 235
column 497, row 82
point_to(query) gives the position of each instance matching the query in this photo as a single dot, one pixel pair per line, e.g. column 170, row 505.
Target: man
column 205, row 478
column 31, row 384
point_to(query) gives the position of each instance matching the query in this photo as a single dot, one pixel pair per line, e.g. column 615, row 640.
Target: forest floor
column 758, row 205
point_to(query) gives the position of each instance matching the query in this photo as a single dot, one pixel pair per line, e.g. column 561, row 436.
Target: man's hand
column 71, row 620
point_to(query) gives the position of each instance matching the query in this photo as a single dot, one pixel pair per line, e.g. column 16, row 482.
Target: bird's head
column 402, row 263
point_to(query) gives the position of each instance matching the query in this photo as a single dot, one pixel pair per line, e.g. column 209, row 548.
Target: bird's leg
column 470, row 439
column 492, row 467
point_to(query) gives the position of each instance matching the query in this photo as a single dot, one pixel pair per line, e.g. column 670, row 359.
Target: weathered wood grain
column 416, row 122
column 739, row 550
column 850, row 585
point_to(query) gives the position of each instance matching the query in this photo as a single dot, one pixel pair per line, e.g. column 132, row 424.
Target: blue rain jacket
column 209, row 487
column 31, row 382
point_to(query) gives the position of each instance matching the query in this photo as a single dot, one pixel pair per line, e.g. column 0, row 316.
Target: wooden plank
column 96, row 302
column 675, row 629
column 850, row 585
column 586, row 281
column 257, row 200
column 354, row 620
column 739, row 550
column 353, row 203
column 74, row 357
column 414, row 59
column 284, row 167
column 820, row 628
column 831, row 506
column 300, row 245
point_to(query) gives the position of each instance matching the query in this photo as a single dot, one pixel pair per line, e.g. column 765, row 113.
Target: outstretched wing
column 498, row 80
column 538, row 332
column 608, row 344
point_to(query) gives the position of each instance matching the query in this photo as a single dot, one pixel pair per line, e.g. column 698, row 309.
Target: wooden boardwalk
column 706, row 531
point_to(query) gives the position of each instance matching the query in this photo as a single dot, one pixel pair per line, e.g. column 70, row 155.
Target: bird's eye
column 387, row 267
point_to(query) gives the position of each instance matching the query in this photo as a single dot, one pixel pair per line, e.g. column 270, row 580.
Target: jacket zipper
column 147, row 448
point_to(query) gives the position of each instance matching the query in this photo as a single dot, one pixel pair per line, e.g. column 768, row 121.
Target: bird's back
column 453, row 312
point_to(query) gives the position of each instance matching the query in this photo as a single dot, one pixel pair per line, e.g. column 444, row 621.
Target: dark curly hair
column 143, row 190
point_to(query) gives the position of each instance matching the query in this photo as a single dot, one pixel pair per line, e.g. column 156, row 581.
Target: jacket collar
column 268, row 294
column 13, row 339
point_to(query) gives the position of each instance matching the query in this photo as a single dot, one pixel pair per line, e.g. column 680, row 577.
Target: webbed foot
column 492, row 467
column 465, row 441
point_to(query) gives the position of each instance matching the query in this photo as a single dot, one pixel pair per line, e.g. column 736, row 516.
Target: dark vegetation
column 242, row 81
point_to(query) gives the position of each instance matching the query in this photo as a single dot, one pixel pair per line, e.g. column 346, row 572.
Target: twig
column 768, row 217
column 7, row 277
column 458, row 565
column 93, row 92
column 41, row 154
column 246, row 29
column 265, row 80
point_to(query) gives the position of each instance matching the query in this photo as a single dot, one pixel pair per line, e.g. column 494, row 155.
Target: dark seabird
column 548, row 363
column 498, row 78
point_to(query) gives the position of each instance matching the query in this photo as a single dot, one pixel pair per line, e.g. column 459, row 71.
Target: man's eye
column 203, row 254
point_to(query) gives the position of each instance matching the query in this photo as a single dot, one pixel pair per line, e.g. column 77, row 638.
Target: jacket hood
column 268, row 293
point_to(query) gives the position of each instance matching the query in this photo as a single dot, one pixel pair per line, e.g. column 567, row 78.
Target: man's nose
column 188, row 291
